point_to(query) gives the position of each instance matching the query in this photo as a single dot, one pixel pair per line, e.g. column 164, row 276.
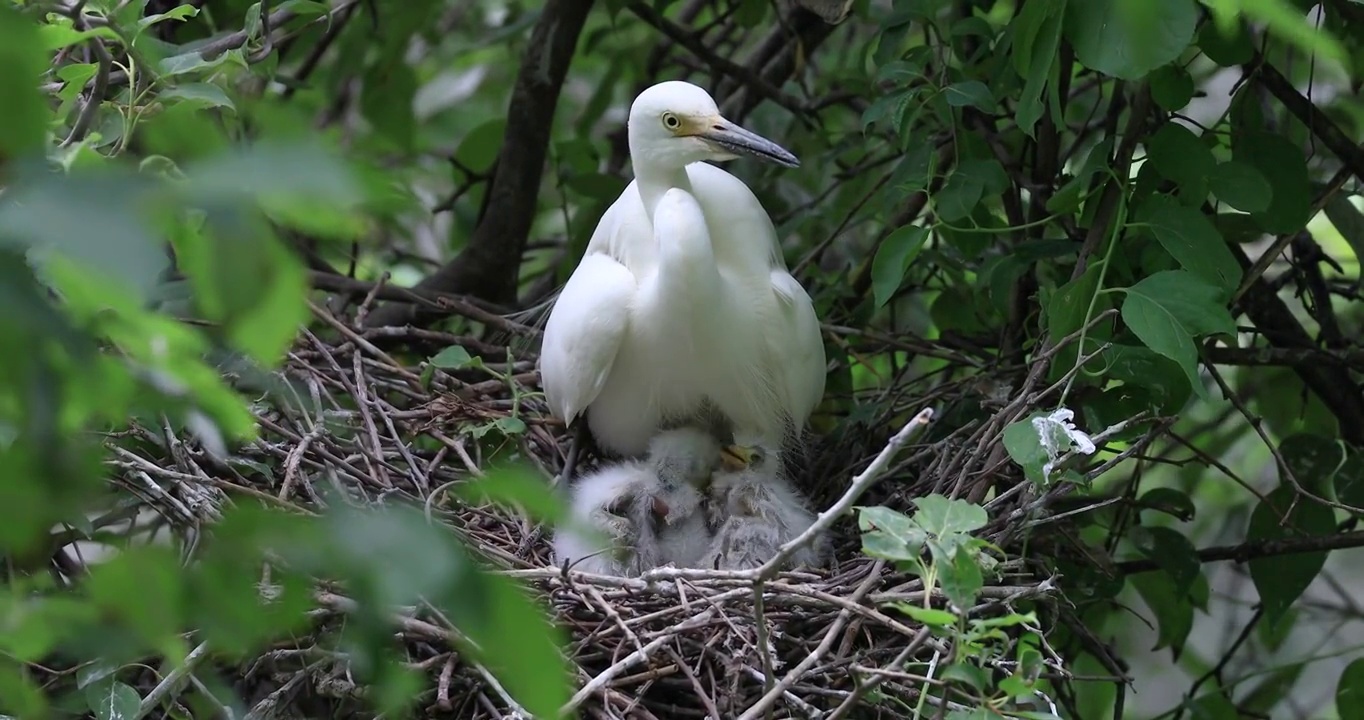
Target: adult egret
column 754, row 511
column 635, row 515
column 682, row 309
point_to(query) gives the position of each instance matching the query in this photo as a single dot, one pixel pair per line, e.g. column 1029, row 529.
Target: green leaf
column 112, row 700
column 941, row 516
column 515, row 641
column 928, row 616
column 23, row 124
column 1129, row 38
column 142, row 588
column 1174, row 613
column 1228, row 49
column 960, row 578
column 1350, row 691
column 1068, row 306
column 194, row 61
column 1348, row 221
column 299, row 184
column 1241, row 186
column 1191, row 239
column 88, row 218
column 1181, row 157
column 1281, row 579
column 386, row 102
column 1170, row 501
column 479, row 148
column 1172, row 87
column 518, row 486
column 183, row 12
column 454, row 357
column 1314, row 460
column 1166, row 311
column 245, row 279
column 200, row 95
column 1025, row 447
column 1286, row 20
column 1349, row 481
column 1281, row 162
column 1214, row 704
column 1172, row 551
column 959, row 195
column 893, row 259
column 1037, row 40
column 57, row 36
column 889, row 534
column 972, row 93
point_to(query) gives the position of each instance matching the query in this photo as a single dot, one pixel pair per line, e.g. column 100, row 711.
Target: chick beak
column 735, row 457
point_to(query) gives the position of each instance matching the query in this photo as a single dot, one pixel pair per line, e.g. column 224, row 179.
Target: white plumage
column 753, row 512
column 639, row 514
column 682, row 307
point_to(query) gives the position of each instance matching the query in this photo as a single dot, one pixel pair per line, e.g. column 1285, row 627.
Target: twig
column 696, row 47
column 172, row 681
column 606, row 676
column 860, row 484
column 770, row 697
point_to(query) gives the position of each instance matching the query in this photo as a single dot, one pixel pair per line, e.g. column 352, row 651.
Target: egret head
column 675, row 123
column 747, row 457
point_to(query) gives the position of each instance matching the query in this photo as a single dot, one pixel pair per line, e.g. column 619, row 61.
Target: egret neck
column 654, row 179
column 687, row 273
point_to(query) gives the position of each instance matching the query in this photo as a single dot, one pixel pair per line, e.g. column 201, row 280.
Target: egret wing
column 800, row 348
column 584, row 334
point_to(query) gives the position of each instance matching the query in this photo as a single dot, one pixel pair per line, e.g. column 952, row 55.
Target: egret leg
column 574, row 446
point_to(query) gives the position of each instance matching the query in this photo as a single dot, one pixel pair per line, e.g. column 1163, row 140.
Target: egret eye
column 756, row 458
column 670, row 121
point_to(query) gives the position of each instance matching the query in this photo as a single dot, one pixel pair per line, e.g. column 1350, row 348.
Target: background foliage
column 1145, row 212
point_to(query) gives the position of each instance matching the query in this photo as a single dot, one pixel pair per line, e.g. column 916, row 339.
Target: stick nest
column 674, row 645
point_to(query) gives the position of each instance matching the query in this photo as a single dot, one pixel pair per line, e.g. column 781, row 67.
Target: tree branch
column 728, row 67
column 488, row 265
column 1308, row 114
column 1253, row 550
column 1330, row 382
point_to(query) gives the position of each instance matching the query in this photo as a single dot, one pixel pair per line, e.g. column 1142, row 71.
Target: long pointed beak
column 735, row 457
column 733, row 139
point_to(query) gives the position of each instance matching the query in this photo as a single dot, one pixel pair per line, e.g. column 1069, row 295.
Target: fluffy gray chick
column 677, row 532
column 637, row 515
column 754, row 510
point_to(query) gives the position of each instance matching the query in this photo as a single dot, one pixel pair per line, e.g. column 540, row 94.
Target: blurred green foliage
column 983, row 177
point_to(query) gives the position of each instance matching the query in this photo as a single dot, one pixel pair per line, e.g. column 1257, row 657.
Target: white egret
column 639, row 514
column 682, row 309
column 754, row 511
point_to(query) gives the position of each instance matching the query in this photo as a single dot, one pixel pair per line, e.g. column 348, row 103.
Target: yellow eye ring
column 670, row 121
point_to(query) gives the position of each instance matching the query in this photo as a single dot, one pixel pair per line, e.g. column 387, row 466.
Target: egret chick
column 754, row 511
column 640, row 514
column 682, row 306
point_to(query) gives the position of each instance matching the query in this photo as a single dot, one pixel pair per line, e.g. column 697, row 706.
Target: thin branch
column 860, row 484
column 745, row 75
column 1259, row 549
